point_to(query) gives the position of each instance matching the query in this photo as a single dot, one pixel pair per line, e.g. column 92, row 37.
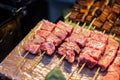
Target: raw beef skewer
column 33, row 45
column 56, row 38
column 108, row 56
column 114, row 69
column 18, row 64
column 83, row 64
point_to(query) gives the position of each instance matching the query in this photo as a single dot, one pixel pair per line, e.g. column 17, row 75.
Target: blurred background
column 18, row 17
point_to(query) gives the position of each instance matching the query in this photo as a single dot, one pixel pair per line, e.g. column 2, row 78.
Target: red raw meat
column 54, row 39
column 99, row 36
column 43, row 33
column 105, row 62
column 38, row 39
column 70, row 55
column 96, row 45
column 62, row 25
column 77, row 30
column 79, row 39
column 85, row 58
column 32, row 47
column 109, row 54
column 48, row 47
column 60, row 33
column 72, row 46
column 61, row 50
column 96, row 54
column 48, row 26
column 115, row 66
column 111, row 76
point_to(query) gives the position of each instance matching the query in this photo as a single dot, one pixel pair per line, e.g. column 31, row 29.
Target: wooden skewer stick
column 77, row 65
column 91, row 23
column 79, row 71
column 72, row 72
column 84, row 63
column 83, row 25
column 59, row 62
column 67, row 15
column 22, row 59
column 96, row 74
column 25, row 54
column 37, row 61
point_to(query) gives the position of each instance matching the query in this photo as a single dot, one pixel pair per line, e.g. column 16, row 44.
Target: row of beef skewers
column 106, row 11
column 92, row 47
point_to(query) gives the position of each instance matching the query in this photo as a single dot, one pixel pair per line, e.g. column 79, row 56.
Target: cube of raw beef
column 79, row 39
column 43, row 33
column 77, row 30
column 48, row 26
column 48, row 47
column 38, row 39
column 53, row 38
column 109, row 54
column 96, row 54
column 111, row 76
column 70, row 55
column 60, row 33
column 85, row 58
column 32, row 47
column 105, row 61
column 99, row 36
column 115, row 66
column 72, row 46
column 64, row 26
column 61, row 50
column 96, row 45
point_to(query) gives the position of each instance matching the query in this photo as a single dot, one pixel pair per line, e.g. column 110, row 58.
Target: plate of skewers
column 64, row 51
column 70, row 50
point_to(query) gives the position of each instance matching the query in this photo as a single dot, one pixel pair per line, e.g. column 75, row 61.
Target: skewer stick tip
column 22, row 59
column 67, row 15
column 96, row 74
column 37, row 61
column 58, row 63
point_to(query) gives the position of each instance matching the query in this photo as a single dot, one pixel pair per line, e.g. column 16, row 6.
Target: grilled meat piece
column 116, row 30
column 116, row 8
column 107, row 26
column 97, row 23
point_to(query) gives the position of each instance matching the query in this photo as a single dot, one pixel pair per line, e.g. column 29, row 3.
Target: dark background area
column 18, row 17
